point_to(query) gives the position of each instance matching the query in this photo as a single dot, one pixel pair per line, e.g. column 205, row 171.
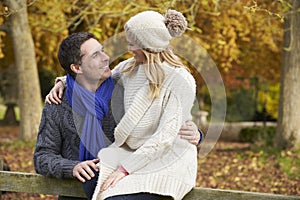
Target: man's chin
column 106, row 75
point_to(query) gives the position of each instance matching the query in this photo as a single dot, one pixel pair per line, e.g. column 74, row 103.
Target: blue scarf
column 93, row 107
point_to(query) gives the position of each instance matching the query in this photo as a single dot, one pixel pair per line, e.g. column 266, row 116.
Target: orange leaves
column 234, row 166
column 239, row 39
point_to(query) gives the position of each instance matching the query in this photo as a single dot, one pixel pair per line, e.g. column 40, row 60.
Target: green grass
column 289, row 161
column 2, row 111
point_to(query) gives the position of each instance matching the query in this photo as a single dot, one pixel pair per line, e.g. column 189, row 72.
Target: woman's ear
column 76, row 68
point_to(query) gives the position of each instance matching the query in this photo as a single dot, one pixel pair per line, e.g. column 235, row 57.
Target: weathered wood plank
column 34, row 183
column 217, row 194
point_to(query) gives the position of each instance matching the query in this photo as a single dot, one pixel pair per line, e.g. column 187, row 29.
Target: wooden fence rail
column 35, row 183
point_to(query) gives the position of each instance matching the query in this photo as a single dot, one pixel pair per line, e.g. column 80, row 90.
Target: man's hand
column 83, row 171
column 189, row 131
column 55, row 93
column 112, row 180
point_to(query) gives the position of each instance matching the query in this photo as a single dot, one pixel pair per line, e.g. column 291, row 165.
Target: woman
column 148, row 160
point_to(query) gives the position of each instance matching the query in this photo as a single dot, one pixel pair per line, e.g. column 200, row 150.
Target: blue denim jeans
column 139, row 196
column 90, row 185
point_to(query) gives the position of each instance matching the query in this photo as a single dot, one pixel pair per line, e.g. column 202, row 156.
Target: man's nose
column 105, row 57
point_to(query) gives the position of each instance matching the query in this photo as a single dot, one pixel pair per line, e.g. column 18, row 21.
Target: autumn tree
column 288, row 129
column 242, row 37
column 28, row 83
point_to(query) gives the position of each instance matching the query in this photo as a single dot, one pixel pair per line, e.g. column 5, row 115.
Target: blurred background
column 255, row 45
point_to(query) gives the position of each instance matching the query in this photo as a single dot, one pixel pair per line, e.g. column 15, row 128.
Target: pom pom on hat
column 152, row 31
column 175, row 22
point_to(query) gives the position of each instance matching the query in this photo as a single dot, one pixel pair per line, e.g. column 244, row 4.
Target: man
column 70, row 133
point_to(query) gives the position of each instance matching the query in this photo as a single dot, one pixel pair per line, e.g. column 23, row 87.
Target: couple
column 147, row 159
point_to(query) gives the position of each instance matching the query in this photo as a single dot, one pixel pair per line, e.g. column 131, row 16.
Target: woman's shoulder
column 117, row 71
column 122, row 65
column 179, row 74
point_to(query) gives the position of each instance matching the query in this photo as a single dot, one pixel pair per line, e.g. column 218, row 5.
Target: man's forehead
column 90, row 46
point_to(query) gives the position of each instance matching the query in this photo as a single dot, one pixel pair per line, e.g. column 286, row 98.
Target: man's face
column 95, row 62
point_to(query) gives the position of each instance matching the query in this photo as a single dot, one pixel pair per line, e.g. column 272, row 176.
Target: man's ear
column 76, row 68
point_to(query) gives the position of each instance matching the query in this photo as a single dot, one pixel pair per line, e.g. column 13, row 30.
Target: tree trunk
column 29, row 93
column 288, row 129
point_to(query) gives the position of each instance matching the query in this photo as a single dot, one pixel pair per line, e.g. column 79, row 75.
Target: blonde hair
column 153, row 70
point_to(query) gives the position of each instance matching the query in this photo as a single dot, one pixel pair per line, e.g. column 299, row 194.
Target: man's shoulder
column 62, row 107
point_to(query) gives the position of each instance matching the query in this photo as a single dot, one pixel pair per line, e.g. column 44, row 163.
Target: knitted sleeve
column 177, row 108
column 63, row 79
column 51, row 156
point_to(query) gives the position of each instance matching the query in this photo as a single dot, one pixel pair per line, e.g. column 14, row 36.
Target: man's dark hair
column 69, row 50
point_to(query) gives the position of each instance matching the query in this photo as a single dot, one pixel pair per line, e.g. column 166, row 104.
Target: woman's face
column 138, row 54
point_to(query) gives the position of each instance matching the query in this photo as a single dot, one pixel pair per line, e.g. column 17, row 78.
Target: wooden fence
column 35, row 183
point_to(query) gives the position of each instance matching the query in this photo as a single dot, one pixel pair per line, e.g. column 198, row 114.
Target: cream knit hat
column 152, row 31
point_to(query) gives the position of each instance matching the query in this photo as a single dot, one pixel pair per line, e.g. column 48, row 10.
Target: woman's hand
column 113, row 179
column 55, row 93
column 189, row 131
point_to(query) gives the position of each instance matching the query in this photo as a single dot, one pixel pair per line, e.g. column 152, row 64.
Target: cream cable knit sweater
column 146, row 140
